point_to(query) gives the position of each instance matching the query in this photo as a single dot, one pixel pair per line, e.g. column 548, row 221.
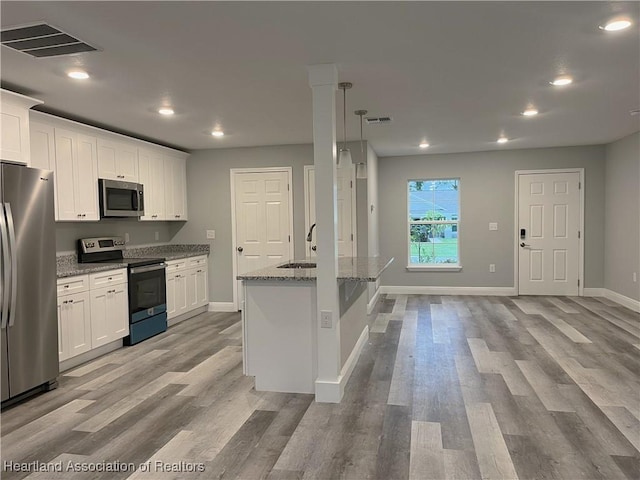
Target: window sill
column 434, row 268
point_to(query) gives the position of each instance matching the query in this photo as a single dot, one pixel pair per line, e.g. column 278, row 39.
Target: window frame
column 435, row 267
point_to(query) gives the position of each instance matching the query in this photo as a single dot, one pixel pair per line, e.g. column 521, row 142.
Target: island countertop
column 364, row 269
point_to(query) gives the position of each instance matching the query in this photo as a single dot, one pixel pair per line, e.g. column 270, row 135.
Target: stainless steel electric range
column 147, row 285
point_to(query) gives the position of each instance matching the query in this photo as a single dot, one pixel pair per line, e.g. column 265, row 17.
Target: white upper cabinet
column 151, row 170
column 175, row 173
column 117, row 160
column 79, row 155
column 76, row 178
column 43, row 149
column 14, row 127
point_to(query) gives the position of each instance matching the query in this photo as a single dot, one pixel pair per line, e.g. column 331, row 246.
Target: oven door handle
column 149, row 268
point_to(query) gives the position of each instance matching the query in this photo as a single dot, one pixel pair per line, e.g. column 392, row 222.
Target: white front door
column 263, row 220
column 345, row 192
column 548, row 233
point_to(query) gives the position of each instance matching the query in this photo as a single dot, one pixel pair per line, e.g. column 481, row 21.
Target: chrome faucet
column 310, row 234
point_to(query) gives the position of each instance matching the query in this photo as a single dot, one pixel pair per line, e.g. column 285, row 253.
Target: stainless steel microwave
column 120, row 199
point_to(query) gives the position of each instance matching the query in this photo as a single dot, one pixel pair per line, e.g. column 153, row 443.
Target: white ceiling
column 456, row 74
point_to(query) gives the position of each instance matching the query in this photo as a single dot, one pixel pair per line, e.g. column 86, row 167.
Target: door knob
column 240, row 249
column 314, row 248
column 524, row 245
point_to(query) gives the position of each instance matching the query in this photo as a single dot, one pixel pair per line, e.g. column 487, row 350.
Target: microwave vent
column 43, row 40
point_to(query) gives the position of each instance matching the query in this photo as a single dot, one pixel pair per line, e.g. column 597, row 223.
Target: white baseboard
column 222, row 307
column 372, row 303
column 331, row 391
column 630, row 303
column 426, row 290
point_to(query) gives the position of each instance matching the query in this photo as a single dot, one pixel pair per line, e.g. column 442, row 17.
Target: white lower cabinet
column 176, row 294
column 186, row 285
column 196, row 287
column 109, row 314
column 91, row 316
column 74, row 325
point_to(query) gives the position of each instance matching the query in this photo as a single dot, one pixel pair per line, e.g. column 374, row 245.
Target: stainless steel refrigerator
column 28, row 306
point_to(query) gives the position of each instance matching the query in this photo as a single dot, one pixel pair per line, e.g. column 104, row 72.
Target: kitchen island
column 279, row 319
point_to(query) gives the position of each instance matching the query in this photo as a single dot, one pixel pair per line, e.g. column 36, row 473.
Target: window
column 434, row 216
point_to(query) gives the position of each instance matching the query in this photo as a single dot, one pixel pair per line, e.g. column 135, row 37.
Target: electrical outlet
column 493, row 226
column 635, row 277
column 326, row 320
column 492, row 268
column 211, row 234
column 157, row 236
column 126, row 238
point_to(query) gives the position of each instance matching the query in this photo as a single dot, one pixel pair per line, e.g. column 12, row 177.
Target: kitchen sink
column 298, row 265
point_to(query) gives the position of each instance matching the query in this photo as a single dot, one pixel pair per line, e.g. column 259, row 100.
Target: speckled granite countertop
column 168, row 252
column 68, row 266
column 75, row 268
column 365, row 269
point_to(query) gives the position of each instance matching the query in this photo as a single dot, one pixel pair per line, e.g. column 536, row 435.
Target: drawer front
column 176, row 265
column 197, row 261
column 110, row 277
column 71, row 285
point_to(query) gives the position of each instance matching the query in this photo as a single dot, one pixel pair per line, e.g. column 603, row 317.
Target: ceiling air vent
column 377, row 120
column 43, row 40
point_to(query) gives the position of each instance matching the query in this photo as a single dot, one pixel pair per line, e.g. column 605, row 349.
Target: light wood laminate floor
column 448, row 387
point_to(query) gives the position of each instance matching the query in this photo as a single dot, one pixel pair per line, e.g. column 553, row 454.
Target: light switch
column 211, row 234
column 326, row 320
column 493, row 226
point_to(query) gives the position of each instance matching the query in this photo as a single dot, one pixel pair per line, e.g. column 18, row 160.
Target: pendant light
column 361, row 166
column 344, row 157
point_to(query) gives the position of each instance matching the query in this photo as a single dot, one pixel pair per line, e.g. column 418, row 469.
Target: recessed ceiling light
column 166, row 111
column 503, row 140
column 424, row 145
column 78, row 74
column 615, row 25
column 530, row 112
column 217, row 133
column 561, row 81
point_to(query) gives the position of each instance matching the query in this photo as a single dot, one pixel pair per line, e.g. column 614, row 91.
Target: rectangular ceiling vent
column 42, row 40
column 377, row 120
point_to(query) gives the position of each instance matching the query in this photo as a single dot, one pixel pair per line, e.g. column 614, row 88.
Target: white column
column 323, row 80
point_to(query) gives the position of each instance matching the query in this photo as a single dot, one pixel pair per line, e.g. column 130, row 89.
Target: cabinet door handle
column 66, row 286
column 65, row 301
column 70, row 301
column 240, row 249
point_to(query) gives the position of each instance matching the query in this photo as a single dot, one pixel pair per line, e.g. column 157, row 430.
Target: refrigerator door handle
column 6, row 271
column 14, row 265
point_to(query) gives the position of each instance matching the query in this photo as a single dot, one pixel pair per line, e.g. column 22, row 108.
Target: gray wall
column 622, row 216
column 487, row 189
column 209, row 202
column 140, row 233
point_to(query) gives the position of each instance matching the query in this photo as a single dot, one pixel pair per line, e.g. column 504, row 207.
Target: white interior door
column 345, row 179
column 548, row 233
column 263, row 220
